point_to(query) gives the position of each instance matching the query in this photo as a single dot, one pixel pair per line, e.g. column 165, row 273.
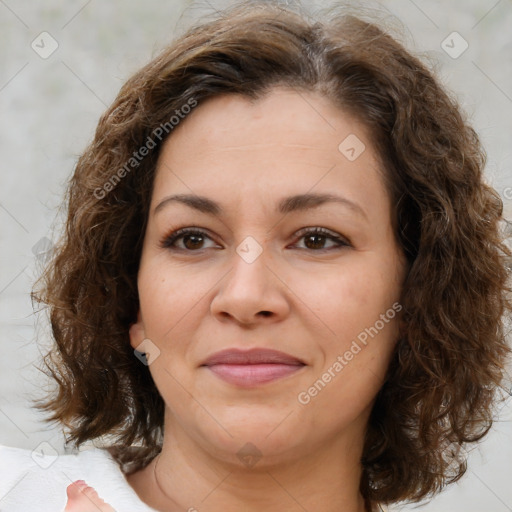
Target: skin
column 83, row 498
column 247, row 156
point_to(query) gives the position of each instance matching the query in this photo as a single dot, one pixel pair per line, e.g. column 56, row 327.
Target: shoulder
column 38, row 479
column 46, row 459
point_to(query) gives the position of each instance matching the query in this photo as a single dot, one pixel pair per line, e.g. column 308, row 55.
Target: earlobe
column 137, row 332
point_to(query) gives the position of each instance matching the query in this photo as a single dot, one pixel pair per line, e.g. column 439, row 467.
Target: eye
column 194, row 239
column 321, row 239
column 187, row 239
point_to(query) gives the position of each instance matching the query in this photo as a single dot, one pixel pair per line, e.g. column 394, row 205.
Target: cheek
column 351, row 297
column 346, row 382
column 358, row 304
column 168, row 295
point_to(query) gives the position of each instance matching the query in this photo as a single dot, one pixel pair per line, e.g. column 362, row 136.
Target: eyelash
column 168, row 241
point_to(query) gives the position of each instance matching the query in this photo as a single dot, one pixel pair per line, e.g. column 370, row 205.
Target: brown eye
column 187, row 239
column 315, row 241
column 193, row 241
column 321, row 239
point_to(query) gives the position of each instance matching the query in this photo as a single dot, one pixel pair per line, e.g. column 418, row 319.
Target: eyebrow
column 288, row 204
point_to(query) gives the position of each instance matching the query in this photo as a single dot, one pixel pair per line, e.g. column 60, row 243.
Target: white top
column 30, row 481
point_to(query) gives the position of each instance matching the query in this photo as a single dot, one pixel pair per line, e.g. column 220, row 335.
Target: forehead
column 286, row 141
column 283, row 116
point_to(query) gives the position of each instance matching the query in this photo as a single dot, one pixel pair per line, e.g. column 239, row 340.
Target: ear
column 137, row 332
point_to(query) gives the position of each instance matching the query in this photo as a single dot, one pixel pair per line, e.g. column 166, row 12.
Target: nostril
column 265, row 313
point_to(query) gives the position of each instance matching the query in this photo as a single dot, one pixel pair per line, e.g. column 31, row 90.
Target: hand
column 82, row 498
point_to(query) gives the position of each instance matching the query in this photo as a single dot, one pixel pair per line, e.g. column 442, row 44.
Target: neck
column 184, row 476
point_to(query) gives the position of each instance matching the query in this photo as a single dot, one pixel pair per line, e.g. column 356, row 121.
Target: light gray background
column 49, row 109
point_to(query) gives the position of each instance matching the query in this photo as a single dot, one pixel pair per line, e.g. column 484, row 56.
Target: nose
column 251, row 293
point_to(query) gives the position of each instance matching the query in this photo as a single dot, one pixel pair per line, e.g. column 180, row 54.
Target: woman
column 282, row 285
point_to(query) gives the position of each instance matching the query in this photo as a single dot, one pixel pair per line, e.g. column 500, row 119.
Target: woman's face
column 255, row 180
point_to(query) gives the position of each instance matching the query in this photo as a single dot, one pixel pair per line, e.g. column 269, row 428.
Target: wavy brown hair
column 445, row 375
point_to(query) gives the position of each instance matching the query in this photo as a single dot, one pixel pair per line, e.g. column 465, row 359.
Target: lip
column 249, row 368
column 252, row 356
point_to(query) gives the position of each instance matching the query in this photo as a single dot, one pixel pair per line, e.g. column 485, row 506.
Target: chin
column 268, row 441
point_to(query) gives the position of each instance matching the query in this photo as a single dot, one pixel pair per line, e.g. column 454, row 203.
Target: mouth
column 249, row 368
